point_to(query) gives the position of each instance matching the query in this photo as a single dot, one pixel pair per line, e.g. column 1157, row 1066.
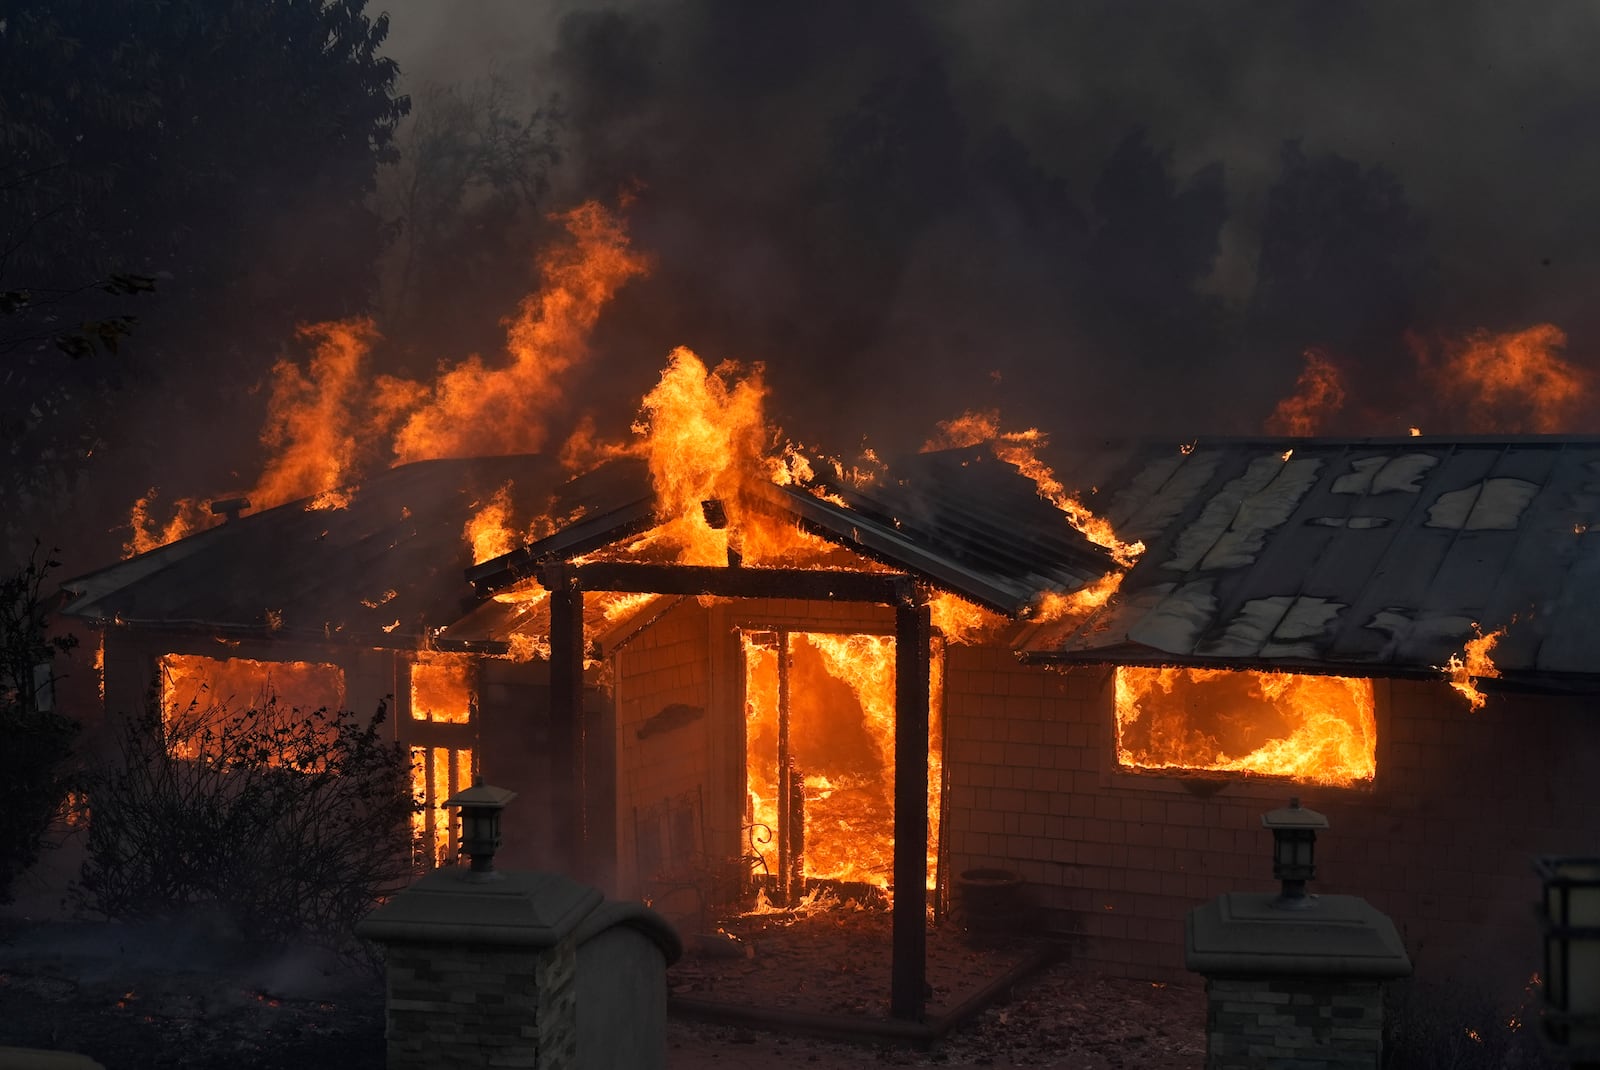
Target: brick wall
column 1310, row 1024
column 1442, row 841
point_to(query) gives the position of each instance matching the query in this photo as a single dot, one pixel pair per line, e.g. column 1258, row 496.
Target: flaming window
column 197, row 691
column 442, row 689
column 1312, row 728
column 819, row 731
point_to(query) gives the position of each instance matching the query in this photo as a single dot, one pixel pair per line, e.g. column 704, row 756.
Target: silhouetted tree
column 226, row 149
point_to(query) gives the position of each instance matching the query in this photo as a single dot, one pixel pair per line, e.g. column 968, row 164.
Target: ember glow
column 1318, row 396
column 1474, row 663
column 1020, row 449
column 829, row 712
column 1318, row 729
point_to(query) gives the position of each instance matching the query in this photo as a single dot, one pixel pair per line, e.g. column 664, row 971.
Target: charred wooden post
column 566, row 713
column 785, row 818
column 795, row 876
column 912, row 633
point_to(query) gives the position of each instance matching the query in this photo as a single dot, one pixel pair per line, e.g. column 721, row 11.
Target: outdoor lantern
column 1571, row 920
column 480, row 824
column 1294, row 848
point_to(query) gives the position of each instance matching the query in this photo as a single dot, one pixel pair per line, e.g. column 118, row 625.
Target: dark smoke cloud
column 1079, row 212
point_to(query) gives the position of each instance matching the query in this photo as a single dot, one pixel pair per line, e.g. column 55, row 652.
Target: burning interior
column 819, row 744
column 1313, row 729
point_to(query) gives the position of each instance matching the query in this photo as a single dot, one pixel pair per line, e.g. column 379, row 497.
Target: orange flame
column 489, row 530
column 1020, row 450
column 1513, row 381
column 318, row 418
column 475, row 410
column 1474, row 664
column 962, row 622
column 706, row 438
column 1055, row 606
column 1318, row 395
column 311, row 429
column 1319, row 729
column 197, row 690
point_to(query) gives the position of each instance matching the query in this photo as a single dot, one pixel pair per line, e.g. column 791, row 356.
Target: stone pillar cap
column 520, row 910
column 1242, row 934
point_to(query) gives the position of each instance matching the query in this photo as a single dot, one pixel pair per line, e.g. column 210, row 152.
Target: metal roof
column 1365, row 556
column 383, row 571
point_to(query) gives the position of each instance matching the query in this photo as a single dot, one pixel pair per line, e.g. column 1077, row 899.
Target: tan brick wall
column 1442, row 841
column 667, row 664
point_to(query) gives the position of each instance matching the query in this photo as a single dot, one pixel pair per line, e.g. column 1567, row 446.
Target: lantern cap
column 1293, row 816
column 481, row 796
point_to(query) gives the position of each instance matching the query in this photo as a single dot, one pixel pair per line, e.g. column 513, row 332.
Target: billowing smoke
column 1097, row 217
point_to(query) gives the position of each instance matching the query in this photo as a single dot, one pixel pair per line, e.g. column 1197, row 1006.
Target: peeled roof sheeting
column 1360, row 556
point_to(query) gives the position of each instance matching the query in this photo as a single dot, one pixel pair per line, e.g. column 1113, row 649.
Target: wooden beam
column 908, row 972
column 566, row 719
column 885, row 588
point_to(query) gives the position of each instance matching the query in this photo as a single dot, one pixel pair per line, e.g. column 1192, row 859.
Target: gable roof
column 385, row 570
column 961, row 520
column 1361, row 556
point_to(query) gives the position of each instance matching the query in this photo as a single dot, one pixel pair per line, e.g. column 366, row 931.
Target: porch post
column 908, row 975
column 566, row 715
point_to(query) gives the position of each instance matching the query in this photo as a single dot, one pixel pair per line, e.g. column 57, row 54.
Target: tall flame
column 318, row 418
column 1474, row 663
column 1319, row 394
column 473, row 409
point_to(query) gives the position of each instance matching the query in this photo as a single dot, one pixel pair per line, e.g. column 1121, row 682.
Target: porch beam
column 908, row 974
column 885, row 588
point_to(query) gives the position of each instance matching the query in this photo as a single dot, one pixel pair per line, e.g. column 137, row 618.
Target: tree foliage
column 291, row 824
column 37, row 738
column 225, row 153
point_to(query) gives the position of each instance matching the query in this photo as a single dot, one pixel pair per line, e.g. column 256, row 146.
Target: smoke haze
column 1076, row 212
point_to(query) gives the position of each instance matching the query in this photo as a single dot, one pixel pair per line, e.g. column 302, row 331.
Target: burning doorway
column 819, row 759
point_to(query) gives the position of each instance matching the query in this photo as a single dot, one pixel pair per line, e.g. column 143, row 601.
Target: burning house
column 718, row 695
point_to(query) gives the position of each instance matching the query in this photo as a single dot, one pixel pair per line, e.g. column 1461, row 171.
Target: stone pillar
column 1293, row 987
column 482, row 973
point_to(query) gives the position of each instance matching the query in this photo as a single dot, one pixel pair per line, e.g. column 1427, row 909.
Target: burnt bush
column 38, row 739
column 284, row 826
